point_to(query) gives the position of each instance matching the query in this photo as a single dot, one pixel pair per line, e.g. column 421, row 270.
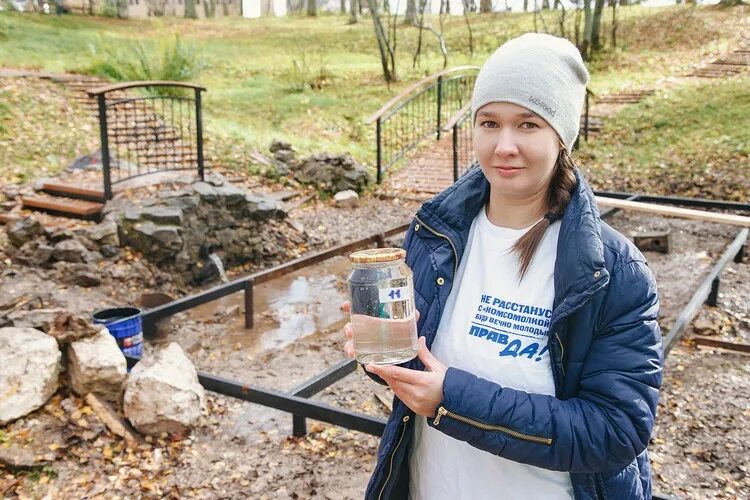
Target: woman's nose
column 506, row 143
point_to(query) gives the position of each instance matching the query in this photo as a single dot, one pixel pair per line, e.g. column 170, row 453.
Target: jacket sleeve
column 609, row 421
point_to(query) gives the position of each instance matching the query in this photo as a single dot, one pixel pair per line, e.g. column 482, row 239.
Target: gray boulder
column 70, row 251
column 30, row 371
column 332, row 173
column 155, row 240
column 96, row 364
column 104, row 233
column 346, row 199
column 162, row 393
column 24, row 230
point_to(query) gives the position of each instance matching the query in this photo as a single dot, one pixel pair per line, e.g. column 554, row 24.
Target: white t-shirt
column 496, row 328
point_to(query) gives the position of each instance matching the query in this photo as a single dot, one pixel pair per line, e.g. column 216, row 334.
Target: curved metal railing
column 461, row 129
column 419, row 113
column 151, row 132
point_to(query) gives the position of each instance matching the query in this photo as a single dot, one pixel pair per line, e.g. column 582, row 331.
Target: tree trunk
column 190, row 11
column 614, row 24
column 596, row 23
column 587, row 25
column 411, row 12
column 342, row 6
column 468, row 26
column 525, row 5
column 386, row 53
column 354, row 14
column 312, row 7
column 485, row 6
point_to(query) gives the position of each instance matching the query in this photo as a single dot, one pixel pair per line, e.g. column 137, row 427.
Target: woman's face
column 516, row 149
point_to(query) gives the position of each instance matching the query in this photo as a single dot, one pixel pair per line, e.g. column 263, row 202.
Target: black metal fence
column 461, row 129
column 419, row 113
column 156, row 127
column 296, row 401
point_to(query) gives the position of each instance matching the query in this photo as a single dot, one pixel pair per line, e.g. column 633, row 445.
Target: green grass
column 693, row 140
column 314, row 81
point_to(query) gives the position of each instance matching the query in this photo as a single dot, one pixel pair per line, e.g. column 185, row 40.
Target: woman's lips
column 507, row 171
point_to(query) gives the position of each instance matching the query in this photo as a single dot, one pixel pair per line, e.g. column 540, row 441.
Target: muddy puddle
column 286, row 309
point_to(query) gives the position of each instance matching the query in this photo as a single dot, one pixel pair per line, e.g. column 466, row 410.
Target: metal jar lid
column 374, row 255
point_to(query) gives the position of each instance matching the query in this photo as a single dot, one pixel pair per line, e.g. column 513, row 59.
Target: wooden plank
column 721, row 344
column 72, row 191
column 78, row 208
column 9, row 218
column 684, row 213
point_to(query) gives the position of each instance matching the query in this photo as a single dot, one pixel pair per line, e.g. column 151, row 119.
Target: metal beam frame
column 704, row 291
column 296, row 402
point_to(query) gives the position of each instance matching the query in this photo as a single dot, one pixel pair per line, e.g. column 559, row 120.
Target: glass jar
column 381, row 293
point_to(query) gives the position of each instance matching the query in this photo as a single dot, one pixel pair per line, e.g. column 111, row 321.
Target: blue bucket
column 125, row 325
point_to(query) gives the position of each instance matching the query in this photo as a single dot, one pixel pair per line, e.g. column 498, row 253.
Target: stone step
column 65, row 207
column 74, row 192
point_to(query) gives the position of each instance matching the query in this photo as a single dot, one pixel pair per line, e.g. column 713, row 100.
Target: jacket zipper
column 393, row 454
column 453, row 247
column 562, row 353
column 442, row 412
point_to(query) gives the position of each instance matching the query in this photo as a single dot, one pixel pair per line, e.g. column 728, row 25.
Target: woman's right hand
column 348, row 333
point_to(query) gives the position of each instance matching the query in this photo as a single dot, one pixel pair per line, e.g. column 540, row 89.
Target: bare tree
column 386, row 37
column 411, row 12
column 468, row 26
column 438, row 34
column 614, row 23
column 596, row 23
column 354, row 15
column 312, row 7
column 558, row 4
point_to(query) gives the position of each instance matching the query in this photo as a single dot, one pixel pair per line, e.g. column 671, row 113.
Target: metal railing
column 149, row 132
column 418, row 113
column 461, row 128
column 296, row 400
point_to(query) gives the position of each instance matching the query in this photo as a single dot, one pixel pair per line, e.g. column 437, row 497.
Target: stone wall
column 181, row 227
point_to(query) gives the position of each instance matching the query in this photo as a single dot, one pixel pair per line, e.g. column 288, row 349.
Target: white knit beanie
column 542, row 73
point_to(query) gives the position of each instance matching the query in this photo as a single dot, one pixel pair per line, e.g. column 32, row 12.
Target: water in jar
column 382, row 313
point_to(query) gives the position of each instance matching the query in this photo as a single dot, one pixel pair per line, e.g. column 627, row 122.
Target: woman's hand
column 421, row 391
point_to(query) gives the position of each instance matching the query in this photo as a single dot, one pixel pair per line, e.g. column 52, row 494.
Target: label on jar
column 387, row 295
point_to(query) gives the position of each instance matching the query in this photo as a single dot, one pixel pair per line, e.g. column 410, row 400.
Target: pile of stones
column 160, row 394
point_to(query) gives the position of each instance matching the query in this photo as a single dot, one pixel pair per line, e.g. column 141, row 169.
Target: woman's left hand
column 421, row 391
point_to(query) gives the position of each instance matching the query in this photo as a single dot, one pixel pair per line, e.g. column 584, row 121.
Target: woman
column 540, row 355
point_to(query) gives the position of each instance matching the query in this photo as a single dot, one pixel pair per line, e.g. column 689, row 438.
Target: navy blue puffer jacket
column 604, row 344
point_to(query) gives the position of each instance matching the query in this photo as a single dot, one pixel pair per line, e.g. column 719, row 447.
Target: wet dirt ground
column 244, row 450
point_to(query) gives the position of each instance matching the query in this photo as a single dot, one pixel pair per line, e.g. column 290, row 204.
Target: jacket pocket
column 443, row 412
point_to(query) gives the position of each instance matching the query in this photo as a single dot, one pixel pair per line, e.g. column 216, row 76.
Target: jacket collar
column 579, row 268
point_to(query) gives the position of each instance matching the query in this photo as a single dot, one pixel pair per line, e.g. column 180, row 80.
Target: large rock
column 332, row 173
column 162, row 393
column 70, row 251
column 346, row 199
column 104, row 233
column 30, row 362
column 159, row 241
column 24, row 230
column 96, row 364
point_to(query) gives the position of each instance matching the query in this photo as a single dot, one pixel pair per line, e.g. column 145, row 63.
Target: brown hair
column 558, row 195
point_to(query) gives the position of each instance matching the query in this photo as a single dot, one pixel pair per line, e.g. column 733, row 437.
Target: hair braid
column 558, row 195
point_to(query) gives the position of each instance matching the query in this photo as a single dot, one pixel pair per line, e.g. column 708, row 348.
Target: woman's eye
column 529, row 125
column 489, row 124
